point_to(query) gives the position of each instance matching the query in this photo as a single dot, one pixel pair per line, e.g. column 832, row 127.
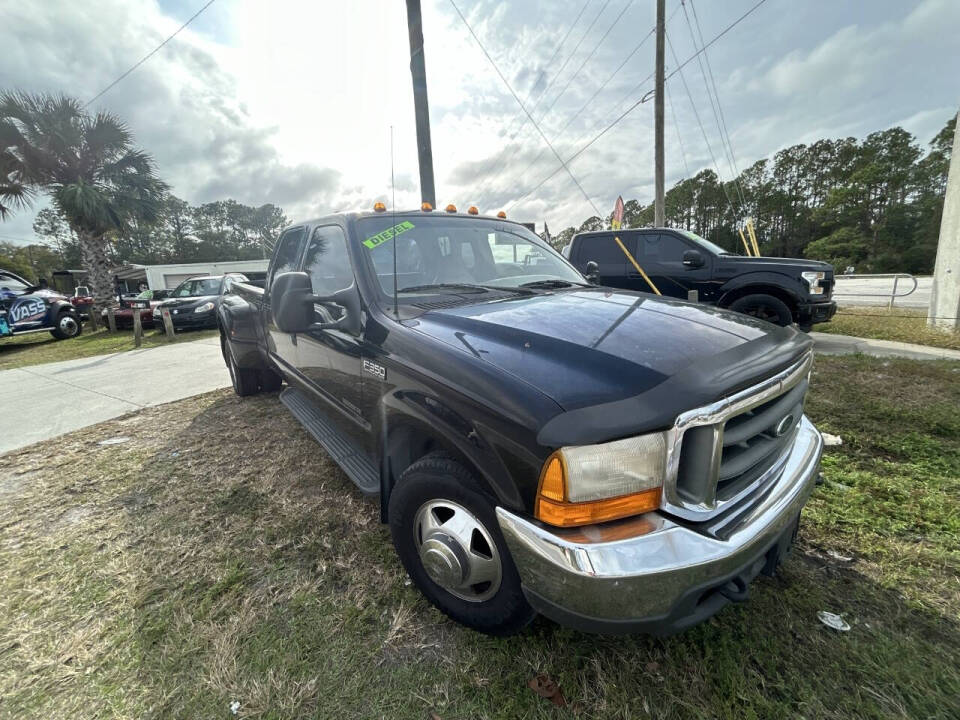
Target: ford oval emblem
column 783, row 427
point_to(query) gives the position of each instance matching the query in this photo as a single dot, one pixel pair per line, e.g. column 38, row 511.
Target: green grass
column 220, row 556
column 900, row 324
column 37, row 348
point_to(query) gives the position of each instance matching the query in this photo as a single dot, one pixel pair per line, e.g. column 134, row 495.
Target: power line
column 640, row 101
column 587, row 59
column 498, row 158
column 589, row 100
column 149, row 54
column 676, row 126
column 723, row 119
column 696, row 114
column 520, row 103
column 714, row 107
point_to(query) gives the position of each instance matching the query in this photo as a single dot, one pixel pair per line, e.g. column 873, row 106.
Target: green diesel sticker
column 388, row 234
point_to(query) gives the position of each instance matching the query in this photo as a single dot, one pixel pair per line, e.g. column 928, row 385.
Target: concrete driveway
column 41, row 402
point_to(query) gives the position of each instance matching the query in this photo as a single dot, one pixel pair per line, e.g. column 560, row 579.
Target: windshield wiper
column 552, row 284
column 463, row 286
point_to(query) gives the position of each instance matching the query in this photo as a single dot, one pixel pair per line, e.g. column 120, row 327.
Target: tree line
column 873, row 204
column 107, row 204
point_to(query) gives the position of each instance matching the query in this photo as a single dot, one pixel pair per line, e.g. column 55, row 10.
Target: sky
column 292, row 103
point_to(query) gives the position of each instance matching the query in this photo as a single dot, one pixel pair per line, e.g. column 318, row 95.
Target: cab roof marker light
column 473, row 210
column 379, row 207
column 451, row 208
column 502, row 215
column 426, row 207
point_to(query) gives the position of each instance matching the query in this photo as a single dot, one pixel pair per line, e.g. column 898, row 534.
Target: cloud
column 295, row 103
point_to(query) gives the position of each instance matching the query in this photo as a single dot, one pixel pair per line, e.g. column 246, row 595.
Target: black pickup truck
column 780, row 290
column 614, row 460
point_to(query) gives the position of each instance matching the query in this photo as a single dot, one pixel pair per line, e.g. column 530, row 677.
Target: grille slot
column 722, row 459
column 751, row 443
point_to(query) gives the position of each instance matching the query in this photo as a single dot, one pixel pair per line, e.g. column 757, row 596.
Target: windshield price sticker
column 388, row 234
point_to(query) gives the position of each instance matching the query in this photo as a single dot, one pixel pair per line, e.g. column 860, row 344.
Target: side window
column 602, row 249
column 327, row 260
column 288, row 252
column 663, row 248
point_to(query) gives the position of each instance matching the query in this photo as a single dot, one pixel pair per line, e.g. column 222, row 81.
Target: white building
column 167, row 277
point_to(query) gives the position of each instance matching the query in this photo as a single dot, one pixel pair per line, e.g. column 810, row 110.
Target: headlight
column 206, row 307
column 813, row 281
column 597, row 483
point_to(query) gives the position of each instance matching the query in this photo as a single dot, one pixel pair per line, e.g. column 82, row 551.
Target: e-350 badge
column 378, row 371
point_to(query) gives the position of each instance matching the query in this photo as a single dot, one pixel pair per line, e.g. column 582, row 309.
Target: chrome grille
column 721, row 453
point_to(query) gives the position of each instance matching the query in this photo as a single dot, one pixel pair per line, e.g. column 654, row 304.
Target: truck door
column 330, row 360
column 661, row 257
column 608, row 256
column 282, row 346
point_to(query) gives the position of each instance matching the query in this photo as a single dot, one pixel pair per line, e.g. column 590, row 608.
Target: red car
column 82, row 300
column 123, row 315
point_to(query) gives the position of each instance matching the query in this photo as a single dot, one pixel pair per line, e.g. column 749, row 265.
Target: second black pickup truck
column 617, row 461
column 780, row 290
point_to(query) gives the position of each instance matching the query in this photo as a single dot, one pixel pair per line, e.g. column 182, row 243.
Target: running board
column 342, row 448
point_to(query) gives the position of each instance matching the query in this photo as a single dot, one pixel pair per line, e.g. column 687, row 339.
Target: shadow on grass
column 266, row 578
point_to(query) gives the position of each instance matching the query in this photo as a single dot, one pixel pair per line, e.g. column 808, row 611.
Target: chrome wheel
column 456, row 550
column 68, row 325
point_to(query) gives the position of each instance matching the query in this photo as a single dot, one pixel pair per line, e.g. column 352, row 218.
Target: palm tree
column 13, row 192
column 86, row 164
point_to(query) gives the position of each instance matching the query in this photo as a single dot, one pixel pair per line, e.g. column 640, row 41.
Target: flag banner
column 617, row 222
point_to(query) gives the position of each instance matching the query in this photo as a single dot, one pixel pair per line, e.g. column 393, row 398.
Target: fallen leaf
column 546, row 688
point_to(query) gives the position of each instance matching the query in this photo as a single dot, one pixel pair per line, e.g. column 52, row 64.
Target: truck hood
column 588, row 347
column 777, row 263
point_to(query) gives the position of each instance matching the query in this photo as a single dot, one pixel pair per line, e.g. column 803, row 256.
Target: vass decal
column 27, row 310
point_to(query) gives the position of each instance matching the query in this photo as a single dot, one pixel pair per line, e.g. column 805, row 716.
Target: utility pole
column 418, row 69
column 659, row 219
column 945, row 295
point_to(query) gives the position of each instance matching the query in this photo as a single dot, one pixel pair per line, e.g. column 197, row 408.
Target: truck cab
column 684, row 265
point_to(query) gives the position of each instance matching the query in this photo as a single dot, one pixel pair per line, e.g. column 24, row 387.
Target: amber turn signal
column 379, row 207
column 473, row 210
column 426, row 207
column 502, row 215
column 451, row 208
column 552, row 506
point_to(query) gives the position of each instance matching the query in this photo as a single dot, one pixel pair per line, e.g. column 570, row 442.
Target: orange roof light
column 502, row 215
column 451, row 208
column 426, row 207
column 379, row 207
column 473, row 210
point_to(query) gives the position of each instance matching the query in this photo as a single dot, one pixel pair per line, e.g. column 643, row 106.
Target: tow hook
column 736, row 590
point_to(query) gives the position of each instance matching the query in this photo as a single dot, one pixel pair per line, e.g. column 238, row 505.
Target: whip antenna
column 393, row 203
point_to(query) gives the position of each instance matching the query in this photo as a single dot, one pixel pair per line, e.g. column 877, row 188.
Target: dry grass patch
column 900, row 324
column 219, row 556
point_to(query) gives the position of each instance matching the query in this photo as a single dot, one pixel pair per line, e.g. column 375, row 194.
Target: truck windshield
column 198, row 288
column 436, row 251
column 706, row 244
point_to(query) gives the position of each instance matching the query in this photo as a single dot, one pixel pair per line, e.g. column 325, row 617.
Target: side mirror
column 692, row 259
column 592, row 272
column 289, row 301
column 292, row 301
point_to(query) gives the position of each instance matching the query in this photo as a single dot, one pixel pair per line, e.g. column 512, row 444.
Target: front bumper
column 191, row 319
column 655, row 574
column 817, row 312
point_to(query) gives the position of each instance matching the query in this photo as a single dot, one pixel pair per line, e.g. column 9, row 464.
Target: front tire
column 446, row 534
column 66, row 326
column 765, row 307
